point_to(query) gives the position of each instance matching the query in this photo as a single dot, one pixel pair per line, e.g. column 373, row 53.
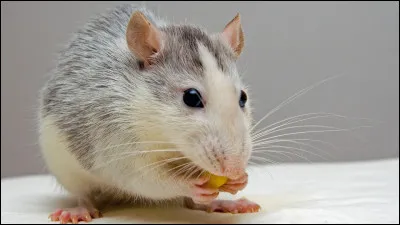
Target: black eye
column 243, row 99
column 192, row 98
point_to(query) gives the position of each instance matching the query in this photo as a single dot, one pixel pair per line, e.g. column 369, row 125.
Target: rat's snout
column 226, row 145
column 232, row 167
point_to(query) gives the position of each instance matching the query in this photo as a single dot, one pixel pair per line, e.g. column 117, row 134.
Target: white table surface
column 356, row 192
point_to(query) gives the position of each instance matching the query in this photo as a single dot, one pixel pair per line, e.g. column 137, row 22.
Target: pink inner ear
column 154, row 39
column 143, row 38
column 232, row 34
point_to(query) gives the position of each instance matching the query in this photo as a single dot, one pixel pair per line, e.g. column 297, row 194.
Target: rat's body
column 114, row 108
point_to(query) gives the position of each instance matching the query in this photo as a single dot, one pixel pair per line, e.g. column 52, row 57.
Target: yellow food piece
column 216, row 181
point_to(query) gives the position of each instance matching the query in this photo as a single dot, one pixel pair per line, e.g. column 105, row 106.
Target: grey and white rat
column 138, row 109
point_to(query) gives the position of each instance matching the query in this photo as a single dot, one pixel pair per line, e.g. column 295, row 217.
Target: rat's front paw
column 201, row 192
column 233, row 186
column 74, row 215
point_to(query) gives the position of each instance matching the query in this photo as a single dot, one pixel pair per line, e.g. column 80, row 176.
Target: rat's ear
column 233, row 34
column 143, row 38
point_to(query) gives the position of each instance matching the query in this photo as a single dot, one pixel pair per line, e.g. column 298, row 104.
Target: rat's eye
column 192, row 98
column 243, row 99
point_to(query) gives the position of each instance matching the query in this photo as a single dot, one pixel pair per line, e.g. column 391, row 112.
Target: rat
column 137, row 109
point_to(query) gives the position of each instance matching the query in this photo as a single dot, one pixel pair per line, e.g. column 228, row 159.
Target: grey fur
column 95, row 81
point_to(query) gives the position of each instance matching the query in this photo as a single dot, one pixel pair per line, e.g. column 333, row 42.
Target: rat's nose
column 233, row 167
column 235, row 172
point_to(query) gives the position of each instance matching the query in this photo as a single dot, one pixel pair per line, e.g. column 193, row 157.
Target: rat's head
column 193, row 95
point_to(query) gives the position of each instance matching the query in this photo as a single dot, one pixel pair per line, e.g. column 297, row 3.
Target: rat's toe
column 74, row 215
column 233, row 206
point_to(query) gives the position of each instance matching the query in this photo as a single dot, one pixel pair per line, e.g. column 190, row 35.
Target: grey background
column 289, row 46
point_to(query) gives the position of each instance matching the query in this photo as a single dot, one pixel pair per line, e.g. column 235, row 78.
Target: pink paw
column 233, row 206
column 74, row 215
column 233, row 186
column 201, row 193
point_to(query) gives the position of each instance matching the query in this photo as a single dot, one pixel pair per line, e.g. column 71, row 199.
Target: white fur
column 79, row 182
column 61, row 162
column 225, row 119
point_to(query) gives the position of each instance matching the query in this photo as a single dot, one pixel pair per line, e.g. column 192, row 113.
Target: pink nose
column 233, row 168
column 234, row 172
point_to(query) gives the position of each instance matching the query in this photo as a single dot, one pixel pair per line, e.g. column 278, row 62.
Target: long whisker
column 293, row 97
column 317, row 113
column 299, row 149
column 142, row 142
column 303, row 126
column 196, row 170
column 263, row 159
column 183, row 167
column 120, row 158
column 317, row 131
column 267, row 143
column 155, row 165
column 253, row 163
column 274, row 151
column 294, row 117
column 259, row 143
column 188, row 169
column 132, row 153
column 266, row 131
column 178, row 166
column 161, row 163
column 281, row 152
column 273, row 130
column 200, row 174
